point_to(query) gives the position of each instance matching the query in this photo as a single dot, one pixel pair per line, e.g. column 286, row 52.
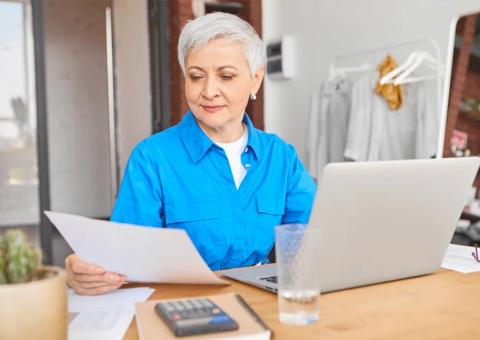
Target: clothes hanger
column 335, row 72
column 415, row 59
column 388, row 78
column 423, row 58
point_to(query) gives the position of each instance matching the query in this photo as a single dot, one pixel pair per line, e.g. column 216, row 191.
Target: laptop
column 381, row 221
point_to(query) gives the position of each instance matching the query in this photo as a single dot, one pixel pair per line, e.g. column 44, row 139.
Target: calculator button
column 184, row 305
column 189, row 304
column 219, row 318
column 208, row 303
column 177, row 305
column 196, row 304
column 203, row 303
column 168, row 306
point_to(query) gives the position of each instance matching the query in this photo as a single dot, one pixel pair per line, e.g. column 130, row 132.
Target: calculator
column 194, row 316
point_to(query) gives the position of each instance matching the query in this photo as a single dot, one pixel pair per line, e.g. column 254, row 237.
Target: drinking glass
column 296, row 249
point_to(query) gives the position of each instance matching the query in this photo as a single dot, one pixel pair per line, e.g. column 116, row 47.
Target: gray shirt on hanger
column 328, row 124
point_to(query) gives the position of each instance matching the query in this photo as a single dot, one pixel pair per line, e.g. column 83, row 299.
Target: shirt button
column 246, row 149
column 247, row 165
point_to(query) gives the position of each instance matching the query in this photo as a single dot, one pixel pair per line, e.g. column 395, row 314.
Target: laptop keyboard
column 272, row 279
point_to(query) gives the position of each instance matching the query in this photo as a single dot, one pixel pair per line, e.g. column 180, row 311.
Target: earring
column 253, row 96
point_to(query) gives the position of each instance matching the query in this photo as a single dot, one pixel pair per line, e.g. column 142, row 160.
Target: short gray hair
column 200, row 31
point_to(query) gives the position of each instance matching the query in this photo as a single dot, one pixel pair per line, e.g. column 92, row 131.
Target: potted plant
column 33, row 298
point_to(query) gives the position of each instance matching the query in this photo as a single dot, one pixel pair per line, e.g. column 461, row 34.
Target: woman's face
column 218, row 84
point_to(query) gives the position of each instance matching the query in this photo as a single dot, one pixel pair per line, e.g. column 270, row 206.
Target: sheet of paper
column 105, row 317
column 460, row 259
column 142, row 254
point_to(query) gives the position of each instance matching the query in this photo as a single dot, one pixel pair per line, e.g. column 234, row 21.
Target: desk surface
column 444, row 305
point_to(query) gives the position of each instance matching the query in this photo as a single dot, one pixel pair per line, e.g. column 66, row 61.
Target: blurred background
column 83, row 81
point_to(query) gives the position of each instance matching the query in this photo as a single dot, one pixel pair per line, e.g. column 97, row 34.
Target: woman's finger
column 95, row 291
column 107, row 277
column 80, row 267
column 95, row 284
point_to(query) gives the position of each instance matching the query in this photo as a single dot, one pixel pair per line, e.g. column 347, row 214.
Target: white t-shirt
column 234, row 152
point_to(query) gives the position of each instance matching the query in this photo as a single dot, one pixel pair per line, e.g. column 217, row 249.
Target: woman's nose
column 210, row 89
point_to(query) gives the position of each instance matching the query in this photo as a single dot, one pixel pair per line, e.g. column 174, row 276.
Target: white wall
column 77, row 98
column 328, row 28
column 77, row 106
column 132, row 76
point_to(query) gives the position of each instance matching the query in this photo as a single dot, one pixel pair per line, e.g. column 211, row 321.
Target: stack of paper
column 460, row 259
column 103, row 317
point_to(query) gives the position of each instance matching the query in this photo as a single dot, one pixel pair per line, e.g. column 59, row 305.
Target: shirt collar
column 337, row 85
column 253, row 136
column 197, row 142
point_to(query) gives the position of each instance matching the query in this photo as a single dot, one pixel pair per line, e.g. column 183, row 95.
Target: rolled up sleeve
column 301, row 191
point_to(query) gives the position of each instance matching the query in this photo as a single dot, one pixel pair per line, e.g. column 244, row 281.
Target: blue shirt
column 179, row 178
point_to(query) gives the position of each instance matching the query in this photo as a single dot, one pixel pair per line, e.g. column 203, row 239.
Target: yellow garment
column 393, row 94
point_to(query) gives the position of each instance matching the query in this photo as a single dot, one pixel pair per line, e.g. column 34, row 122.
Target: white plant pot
column 36, row 309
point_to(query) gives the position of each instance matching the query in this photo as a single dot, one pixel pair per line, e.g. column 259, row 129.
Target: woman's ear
column 257, row 79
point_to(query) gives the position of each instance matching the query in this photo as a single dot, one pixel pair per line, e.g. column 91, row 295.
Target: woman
column 214, row 175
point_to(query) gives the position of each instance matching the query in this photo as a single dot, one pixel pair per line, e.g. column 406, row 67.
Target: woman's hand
column 90, row 279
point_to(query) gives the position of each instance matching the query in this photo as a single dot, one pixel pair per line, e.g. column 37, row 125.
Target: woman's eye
column 226, row 76
column 195, row 77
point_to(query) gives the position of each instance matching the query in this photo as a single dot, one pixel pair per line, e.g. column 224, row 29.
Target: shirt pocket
column 270, row 211
column 270, row 205
column 177, row 212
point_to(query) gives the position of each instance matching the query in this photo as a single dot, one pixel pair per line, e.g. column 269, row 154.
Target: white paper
column 460, row 259
column 142, row 254
column 105, row 317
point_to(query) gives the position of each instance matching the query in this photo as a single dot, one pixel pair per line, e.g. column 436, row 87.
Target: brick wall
column 472, row 85
column 465, row 29
column 252, row 12
column 180, row 11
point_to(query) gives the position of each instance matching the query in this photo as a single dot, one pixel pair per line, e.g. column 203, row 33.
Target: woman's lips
column 213, row 108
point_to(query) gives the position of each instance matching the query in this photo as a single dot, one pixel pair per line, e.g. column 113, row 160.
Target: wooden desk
column 444, row 305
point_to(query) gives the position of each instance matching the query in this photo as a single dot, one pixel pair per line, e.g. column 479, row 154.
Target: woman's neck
column 225, row 134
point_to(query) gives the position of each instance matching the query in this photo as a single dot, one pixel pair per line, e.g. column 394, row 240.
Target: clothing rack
column 426, row 44
column 388, row 48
